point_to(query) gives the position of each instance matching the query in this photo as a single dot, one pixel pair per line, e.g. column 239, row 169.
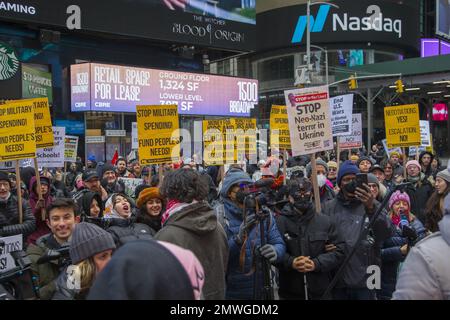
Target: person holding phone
column 351, row 210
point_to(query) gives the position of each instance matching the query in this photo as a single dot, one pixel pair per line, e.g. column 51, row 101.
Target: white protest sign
column 388, row 151
column 413, row 150
column 53, row 157
column 9, row 244
column 130, row 185
column 134, row 136
column 71, row 146
column 341, row 115
column 425, row 133
column 354, row 140
column 12, row 164
column 309, row 120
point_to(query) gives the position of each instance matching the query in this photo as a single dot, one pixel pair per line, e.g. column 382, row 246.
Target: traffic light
column 399, row 86
column 352, row 84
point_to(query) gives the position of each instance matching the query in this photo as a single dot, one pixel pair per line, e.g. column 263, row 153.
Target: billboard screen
column 440, row 112
column 443, row 18
column 112, row 88
column 229, row 24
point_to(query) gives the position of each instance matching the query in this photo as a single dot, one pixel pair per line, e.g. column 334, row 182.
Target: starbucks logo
column 9, row 63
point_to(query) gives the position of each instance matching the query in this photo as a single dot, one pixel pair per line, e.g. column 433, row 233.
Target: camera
column 61, row 254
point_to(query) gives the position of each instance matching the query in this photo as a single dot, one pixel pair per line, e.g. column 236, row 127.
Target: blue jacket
column 391, row 257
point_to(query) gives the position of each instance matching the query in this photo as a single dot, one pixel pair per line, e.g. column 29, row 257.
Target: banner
column 279, row 128
column 10, row 244
column 17, row 131
column 12, row 164
column 134, row 136
column 390, row 150
column 425, row 133
column 413, row 150
column 130, row 185
column 36, row 83
column 218, row 141
column 42, row 123
column 341, row 115
column 53, row 157
column 402, row 126
column 70, row 148
column 158, row 134
column 245, row 131
column 354, row 140
column 309, row 120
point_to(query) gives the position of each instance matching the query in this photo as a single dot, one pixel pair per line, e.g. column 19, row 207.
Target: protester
column 306, row 235
column 91, row 182
column 396, row 247
column 351, row 210
column 332, row 172
column 89, row 204
column 37, row 206
column 389, row 178
column 325, row 187
column 122, row 170
column 354, row 158
column 243, row 233
column 435, row 205
column 61, row 220
column 71, row 175
column 190, row 223
column 378, row 189
column 136, row 169
column 435, row 166
column 396, row 167
column 378, row 172
column 91, row 249
column 365, row 164
column 9, row 212
column 110, row 182
column 425, row 160
column 91, row 162
column 150, row 204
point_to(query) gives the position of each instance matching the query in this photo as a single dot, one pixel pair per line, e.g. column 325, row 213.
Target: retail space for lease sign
column 112, row 88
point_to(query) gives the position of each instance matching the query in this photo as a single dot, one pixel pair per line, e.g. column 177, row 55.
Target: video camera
column 61, row 254
column 252, row 194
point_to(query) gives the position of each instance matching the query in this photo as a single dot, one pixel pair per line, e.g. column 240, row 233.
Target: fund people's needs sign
column 158, row 134
column 309, row 120
column 402, row 126
column 280, row 137
column 228, row 24
column 113, row 88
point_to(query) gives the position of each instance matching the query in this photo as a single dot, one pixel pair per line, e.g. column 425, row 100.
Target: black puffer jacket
column 307, row 235
column 9, row 218
column 126, row 230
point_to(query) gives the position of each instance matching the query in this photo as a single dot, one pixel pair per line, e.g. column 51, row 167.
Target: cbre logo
column 317, row 23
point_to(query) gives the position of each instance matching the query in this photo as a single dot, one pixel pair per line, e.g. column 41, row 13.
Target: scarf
column 173, row 206
column 396, row 218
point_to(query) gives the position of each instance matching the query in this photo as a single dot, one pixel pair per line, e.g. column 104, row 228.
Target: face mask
column 350, row 187
column 321, row 180
column 302, row 203
column 413, row 179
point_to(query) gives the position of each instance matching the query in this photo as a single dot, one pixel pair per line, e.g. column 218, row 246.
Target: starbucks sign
column 9, row 63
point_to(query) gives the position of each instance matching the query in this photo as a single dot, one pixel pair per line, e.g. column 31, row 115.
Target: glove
column 245, row 226
column 268, row 251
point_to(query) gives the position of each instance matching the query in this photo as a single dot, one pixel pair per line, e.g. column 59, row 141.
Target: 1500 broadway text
column 247, row 309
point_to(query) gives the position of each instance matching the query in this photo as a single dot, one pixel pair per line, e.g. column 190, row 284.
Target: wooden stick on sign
column 315, row 184
column 404, row 163
column 417, row 153
column 19, row 192
column 338, row 153
column 38, row 186
column 284, row 166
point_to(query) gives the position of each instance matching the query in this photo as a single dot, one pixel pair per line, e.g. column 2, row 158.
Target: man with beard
column 110, row 182
column 91, row 182
column 309, row 237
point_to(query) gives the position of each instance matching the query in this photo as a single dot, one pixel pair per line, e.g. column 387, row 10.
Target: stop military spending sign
column 17, row 132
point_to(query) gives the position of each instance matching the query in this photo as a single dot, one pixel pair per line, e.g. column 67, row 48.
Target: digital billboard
column 443, row 18
column 229, row 24
column 112, row 88
column 440, row 112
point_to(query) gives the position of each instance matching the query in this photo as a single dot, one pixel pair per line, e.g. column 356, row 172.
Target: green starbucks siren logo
column 9, row 63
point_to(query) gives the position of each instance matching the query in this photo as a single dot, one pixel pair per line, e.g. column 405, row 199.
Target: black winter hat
column 89, row 174
column 364, row 158
column 4, row 176
column 107, row 167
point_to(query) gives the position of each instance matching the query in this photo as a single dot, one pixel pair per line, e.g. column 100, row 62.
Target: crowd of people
column 191, row 231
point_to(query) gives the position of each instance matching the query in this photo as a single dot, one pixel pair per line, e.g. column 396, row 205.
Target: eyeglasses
column 332, row 169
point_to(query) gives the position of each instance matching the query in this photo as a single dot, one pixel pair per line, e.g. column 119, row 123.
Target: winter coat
column 46, row 273
column 9, row 219
column 350, row 218
column 117, row 187
column 419, row 195
column 307, row 235
column 41, row 226
column 391, row 256
column 195, row 228
column 425, row 275
column 326, row 194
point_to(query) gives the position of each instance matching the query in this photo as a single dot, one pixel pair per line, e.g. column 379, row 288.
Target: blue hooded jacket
column 240, row 282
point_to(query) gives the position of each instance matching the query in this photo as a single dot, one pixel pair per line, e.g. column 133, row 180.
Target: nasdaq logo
column 316, row 24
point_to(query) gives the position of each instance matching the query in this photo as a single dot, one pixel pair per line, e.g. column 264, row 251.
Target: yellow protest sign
column 158, row 134
column 402, row 126
column 245, row 132
column 279, row 128
column 218, row 139
column 17, row 133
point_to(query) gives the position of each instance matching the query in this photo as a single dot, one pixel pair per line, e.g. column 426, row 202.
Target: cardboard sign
column 130, row 185
column 402, row 126
column 53, row 157
column 425, row 137
column 341, row 115
column 42, row 123
column 70, row 148
column 218, row 141
column 17, row 131
column 279, row 128
column 390, row 150
column 158, row 134
column 309, row 120
column 354, row 140
column 10, row 244
column 134, row 136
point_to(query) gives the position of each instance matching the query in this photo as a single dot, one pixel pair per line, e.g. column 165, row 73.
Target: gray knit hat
column 319, row 162
column 88, row 240
column 371, row 178
column 444, row 174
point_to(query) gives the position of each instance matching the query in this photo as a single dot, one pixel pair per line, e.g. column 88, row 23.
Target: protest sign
column 425, row 133
column 309, row 120
column 17, row 131
column 42, row 123
column 134, row 136
column 10, row 244
column 158, row 134
column 130, row 185
column 11, row 164
column 219, row 141
column 341, row 115
column 279, row 128
column 354, row 140
column 245, row 131
column 402, row 126
column 413, row 151
column 53, row 157
column 390, row 150
column 70, row 148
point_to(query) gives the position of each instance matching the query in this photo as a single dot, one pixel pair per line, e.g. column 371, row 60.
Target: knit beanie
column 346, row 168
column 319, row 162
column 399, row 196
column 88, row 240
column 371, row 178
column 107, row 167
column 413, row 163
column 4, row 176
column 332, row 164
column 395, row 153
column 444, row 174
column 362, row 159
column 354, row 157
column 147, row 194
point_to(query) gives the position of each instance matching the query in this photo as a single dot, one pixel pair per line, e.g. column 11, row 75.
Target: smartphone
column 361, row 179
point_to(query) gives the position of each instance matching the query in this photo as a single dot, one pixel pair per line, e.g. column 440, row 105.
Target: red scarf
column 170, row 204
